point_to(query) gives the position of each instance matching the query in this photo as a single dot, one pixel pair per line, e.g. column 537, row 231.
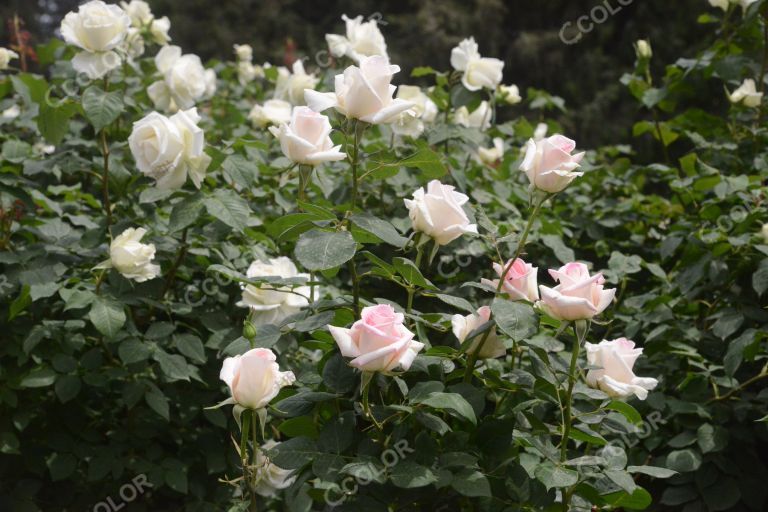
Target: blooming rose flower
column 464, row 325
column 723, row 4
column 411, row 122
column 509, row 94
column 254, row 378
column 363, row 92
column 244, row 52
column 98, row 29
column 579, row 296
column 272, row 112
column 306, row 140
column 184, row 80
column 273, row 306
column 614, row 376
column 6, row 56
column 479, row 118
column 133, row 45
column 378, row 342
column 131, row 258
column 170, row 149
column 437, row 212
column 747, row 94
column 479, row 72
column 490, row 156
column 291, row 86
column 270, row 477
column 363, row 39
column 520, row 282
column 139, row 12
column 549, row 164
column 159, row 28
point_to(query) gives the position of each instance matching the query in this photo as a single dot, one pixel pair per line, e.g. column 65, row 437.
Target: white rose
column 306, row 139
column 138, row 11
column 479, row 72
column 131, row 258
column 614, row 376
column 254, row 378
column 463, row 327
column 579, row 296
column 510, row 94
column 722, row 4
column 438, row 212
column 11, row 112
column 540, row 132
column 520, row 281
column 291, row 86
column 134, row 43
column 269, row 476
column 6, row 56
column 246, row 72
column 643, row 49
column 272, row 112
column 363, row 39
column 169, row 149
column 411, row 122
column 210, row 83
column 764, row 232
column 363, row 93
column 159, row 30
column 747, row 94
column 490, row 156
column 98, row 29
column 273, row 306
column 184, row 80
column 550, row 164
column 479, row 118
column 244, row 52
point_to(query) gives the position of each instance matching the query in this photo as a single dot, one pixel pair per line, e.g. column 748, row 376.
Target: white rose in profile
column 378, row 342
column 254, row 378
column 271, row 112
column 306, row 139
column 550, row 164
column 363, row 39
column 479, row 72
column 132, row 258
column 509, row 94
column 479, row 118
column 579, row 296
column 159, row 30
column 98, row 29
column 138, row 11
column 273, row 306
column 243, row 52
column 520, row 281
column 490, row 156
column 6, row 56
column 747, row 94
column 437, row 212
column 614, row 376
column 463, row 327
column 411, row 122
column 170, row 149
column 270, row 477
column 184, row 80
column 363, row 93
column 290, row 86
column 246, row 72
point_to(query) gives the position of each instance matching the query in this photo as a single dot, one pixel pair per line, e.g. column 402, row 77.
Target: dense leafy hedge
column 110, row 370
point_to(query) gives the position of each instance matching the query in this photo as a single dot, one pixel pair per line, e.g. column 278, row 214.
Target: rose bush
column 349, row 309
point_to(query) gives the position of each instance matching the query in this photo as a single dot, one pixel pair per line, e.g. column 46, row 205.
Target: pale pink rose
column 579, row 296
column 363, row 93
column 463, row 327
column 614, row 376
column 378, row 342
column 254, row 378
column 306, row 140
column 438, row 212
column 520, row 283
column 549, row 164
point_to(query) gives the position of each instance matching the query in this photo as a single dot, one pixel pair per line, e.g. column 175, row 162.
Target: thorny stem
column 411, row 289
column 176, row 263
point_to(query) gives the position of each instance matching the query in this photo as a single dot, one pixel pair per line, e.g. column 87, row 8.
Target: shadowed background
column 524, row 33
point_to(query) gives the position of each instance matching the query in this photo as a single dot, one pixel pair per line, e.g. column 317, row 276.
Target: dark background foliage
column 524, row 33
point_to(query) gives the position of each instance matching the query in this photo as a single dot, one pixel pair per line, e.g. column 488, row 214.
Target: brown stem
column 105, row 179
column 176, row 264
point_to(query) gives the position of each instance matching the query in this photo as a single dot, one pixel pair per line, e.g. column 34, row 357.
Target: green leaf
column 323, row 250
column 711, row 438
column 760, row 278
column 67, row 387
column 640, row 499
column 185, row 213
column 301, row 403
column 452, row 402
column 411, row 273
column 622, row 479
column 626, row 410
column 107, row 316
column 683, row 461
column 653, row 471
column 472, row 483
column 456, row 302
column 229, row 208
column 409, row 475
column 555, row 477
column 158, row 402
column 380, row 228
column 101, row 108
column 294, row 453
column 428, row 162
column 61, row 465
column 173, row 366
column 53, row 122
column 240, row 170
column 516, row 319
column 133, row 351
column 38, row 378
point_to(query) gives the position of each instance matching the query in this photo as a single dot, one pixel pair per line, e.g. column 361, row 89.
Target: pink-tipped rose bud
column 579, row 296
column 254, row 378
column 549, row 164
column 520, row 282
